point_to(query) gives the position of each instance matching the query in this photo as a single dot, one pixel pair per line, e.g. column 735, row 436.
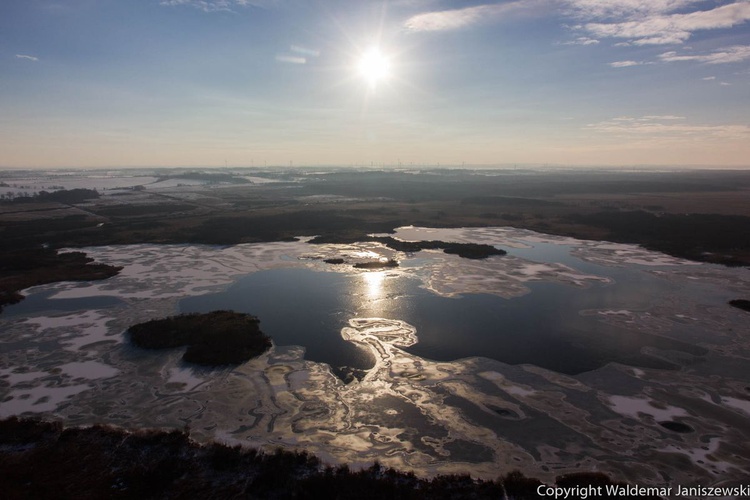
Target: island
column 465, row 250
column 212, row 339
column 743, row 304
column 377, row 264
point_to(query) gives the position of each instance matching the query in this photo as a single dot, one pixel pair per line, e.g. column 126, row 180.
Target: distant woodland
column 698, row 215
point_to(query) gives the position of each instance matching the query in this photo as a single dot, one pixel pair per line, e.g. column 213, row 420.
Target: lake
column 543, row 328
column 563, row 355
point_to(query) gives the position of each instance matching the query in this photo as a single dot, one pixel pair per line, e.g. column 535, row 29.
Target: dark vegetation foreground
column 40, row 460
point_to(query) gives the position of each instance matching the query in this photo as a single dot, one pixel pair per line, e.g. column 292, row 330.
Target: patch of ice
column 13, row 377
column 503, row 383
column 621, row 312
column 739, row 404
column 704, row 456
column 616, row 254
column 39, row 399
column 635, row 407
column 91, row 327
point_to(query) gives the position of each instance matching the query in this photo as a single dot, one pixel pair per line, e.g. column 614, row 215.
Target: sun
column 374, row 66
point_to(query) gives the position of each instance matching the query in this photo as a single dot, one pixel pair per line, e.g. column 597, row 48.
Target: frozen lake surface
column 563, row 355
column 544, row 327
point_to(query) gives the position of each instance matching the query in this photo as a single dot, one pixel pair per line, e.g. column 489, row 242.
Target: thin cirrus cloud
column 286, row 58
column 667, row 127
column 204, row 5
column 217, row 5
column 582, row 40
column 27, row 57
column 622, row 9
column 735, row 53
column 625, row 64
column 445, row 20
column 646, row 118
column 297, row 54
column 646, row 28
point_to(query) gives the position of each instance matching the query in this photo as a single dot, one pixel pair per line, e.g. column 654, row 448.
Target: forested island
column 214, row 338
column 377, row 264
column 465, row 250
column 743, row 304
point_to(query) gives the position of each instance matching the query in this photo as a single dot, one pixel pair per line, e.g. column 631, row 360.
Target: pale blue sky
column 251, row 82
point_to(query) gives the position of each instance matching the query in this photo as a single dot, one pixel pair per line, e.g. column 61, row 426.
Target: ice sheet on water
column 409, row 412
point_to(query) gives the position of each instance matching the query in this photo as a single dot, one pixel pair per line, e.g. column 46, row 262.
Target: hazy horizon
column 253, row 83
column 395, row 167
column 520, row 167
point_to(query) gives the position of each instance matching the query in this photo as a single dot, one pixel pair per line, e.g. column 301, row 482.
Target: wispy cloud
column 713, row 79
column 735, row 53
column 218, row 5
column 298, row 55
column 644, row 27
column 623, row 9
column 285, row 58
column 667, row 127
column 27, row 57
column 413, row 3
column 625, row 64
column 204, row 5
column 646, row 118
column 582, row 40
column 459, row 18
column 661, row 117
column 305, row 51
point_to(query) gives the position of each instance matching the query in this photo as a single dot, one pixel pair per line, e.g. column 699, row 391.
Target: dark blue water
column 295, row 307
column 544, row 328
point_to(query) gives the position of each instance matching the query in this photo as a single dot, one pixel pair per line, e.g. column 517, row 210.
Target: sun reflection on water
column 365, row 254
column 373, row 284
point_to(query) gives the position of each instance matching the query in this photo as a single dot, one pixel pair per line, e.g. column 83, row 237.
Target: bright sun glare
column 374, row 66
